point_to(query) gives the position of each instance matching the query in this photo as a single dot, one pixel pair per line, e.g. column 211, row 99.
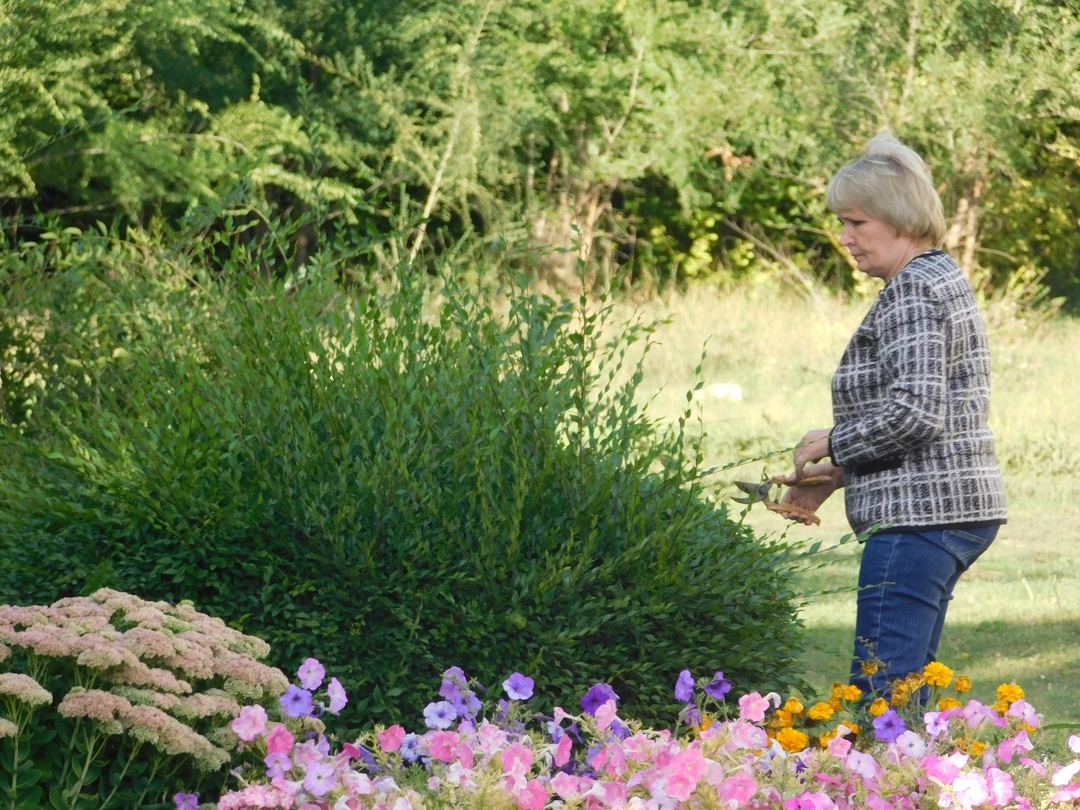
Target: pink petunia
column 752, row 707
column 250, row 723
column 1001, row 787
column 441, row 745
column 567, row 786
column 737, row 790
column 1007, row 749
column 562, row 751
column 533, row 797
column 605, row 714
column 970, row 789
column 391, row 739
column 683, row 773
column 516, row 760
column 338, row 698
column 279, row 740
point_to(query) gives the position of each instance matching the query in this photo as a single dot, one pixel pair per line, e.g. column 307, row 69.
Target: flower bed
column 846, row 752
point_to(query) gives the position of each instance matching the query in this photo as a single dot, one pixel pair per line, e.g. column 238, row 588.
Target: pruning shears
column 761, row 492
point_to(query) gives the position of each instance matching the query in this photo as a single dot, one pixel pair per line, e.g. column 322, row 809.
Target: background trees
column 670, row 137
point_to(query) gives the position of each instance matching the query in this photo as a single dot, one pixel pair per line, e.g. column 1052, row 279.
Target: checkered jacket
column 910, row 404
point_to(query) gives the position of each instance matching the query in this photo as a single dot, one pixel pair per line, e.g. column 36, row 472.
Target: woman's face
column 875, row 245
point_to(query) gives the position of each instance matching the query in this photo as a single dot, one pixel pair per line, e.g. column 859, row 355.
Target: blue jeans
column 906, row 581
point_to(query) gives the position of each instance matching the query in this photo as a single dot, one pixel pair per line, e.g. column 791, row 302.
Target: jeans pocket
column 968, row 544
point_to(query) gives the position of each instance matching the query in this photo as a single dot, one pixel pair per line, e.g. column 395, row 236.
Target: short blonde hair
column 890, row 182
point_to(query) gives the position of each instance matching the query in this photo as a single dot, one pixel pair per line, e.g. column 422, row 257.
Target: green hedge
column 394, row 484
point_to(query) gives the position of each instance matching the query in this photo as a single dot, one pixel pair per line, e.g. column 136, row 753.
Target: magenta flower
column 296, row 702
column 684, row 687
column 683, row 773
column 519, row 687
column 279, row 740
column 311, row 674
column 337, row 695
column 250, row 723
column 752, row 707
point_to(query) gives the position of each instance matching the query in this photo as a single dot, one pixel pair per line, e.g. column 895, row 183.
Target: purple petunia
column 718, row 686
column 410, row 747
column 888, row 726
column 519, row 687
column 596, row 697
column 296, row 702
column 684, row 687
column 311, row 674
column 186, row 801
column 439, row 714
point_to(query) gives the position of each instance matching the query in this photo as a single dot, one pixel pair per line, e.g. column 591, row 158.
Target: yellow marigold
column 948, row 703
column 1010, row 693
column 820, row 711
column 794, row 705
column 879, row 707
column 837, row 691
column 976, row 747
column 937, row 674
column 1001, row 706
column 792, row 740
column 823, row 740
column 835, row 704
column 963, row 684
column 900, row 695
column 870, row 667
column 852, row 692
column 781, row 719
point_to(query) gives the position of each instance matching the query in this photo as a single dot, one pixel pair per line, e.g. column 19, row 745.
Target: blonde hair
column 890, row 182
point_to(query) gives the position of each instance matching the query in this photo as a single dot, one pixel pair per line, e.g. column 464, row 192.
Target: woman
column 909, row 443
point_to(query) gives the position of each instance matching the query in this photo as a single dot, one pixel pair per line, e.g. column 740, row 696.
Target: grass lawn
column 1016, row 615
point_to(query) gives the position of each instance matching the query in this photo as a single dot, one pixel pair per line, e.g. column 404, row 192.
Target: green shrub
column 396, row 484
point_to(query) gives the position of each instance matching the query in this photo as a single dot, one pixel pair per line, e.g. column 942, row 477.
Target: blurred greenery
column 660, row 140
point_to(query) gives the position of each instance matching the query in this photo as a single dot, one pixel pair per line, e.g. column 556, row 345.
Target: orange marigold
column 820, row 711
column 963, row 684
column 900, row 695
column 781, row 719
column 879, row 707
column 937, row 674
column 1010, row 692
column 792, row 740
column 948, row 703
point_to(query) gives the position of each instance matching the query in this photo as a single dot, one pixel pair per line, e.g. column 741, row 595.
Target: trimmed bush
column 394, row 482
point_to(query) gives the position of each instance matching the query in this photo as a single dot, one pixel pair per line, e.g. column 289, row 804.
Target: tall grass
column 1016, row 614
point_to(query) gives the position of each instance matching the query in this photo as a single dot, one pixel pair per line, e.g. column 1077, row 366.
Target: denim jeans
column 905, row 583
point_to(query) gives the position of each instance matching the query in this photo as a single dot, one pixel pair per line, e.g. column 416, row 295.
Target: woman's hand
column 810, row 497
column 814, row 446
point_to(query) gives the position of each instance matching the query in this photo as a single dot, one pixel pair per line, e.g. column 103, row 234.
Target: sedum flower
column 24, row 689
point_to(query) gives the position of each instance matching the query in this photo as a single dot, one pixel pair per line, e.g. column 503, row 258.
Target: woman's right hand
column 810, row 497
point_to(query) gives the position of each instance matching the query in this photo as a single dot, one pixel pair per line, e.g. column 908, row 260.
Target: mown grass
column 1016, row 615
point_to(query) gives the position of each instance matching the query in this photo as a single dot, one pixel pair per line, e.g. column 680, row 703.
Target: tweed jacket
column 911, row 398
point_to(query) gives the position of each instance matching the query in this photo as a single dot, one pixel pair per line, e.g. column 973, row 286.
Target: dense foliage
column 389, row 482
column 676, row 138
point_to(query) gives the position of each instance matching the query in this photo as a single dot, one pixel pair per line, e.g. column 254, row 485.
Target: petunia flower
column 684, row 687
column 250, row 723
column 337, row 695
column 186, row 801
column 889, row 726
column 297, row 702
column 718, row 687
column 596, row 697
column 439, row 714
column 519, row 687
column 311, row 674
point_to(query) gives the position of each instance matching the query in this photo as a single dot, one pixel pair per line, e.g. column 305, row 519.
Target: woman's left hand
column 813, row 447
